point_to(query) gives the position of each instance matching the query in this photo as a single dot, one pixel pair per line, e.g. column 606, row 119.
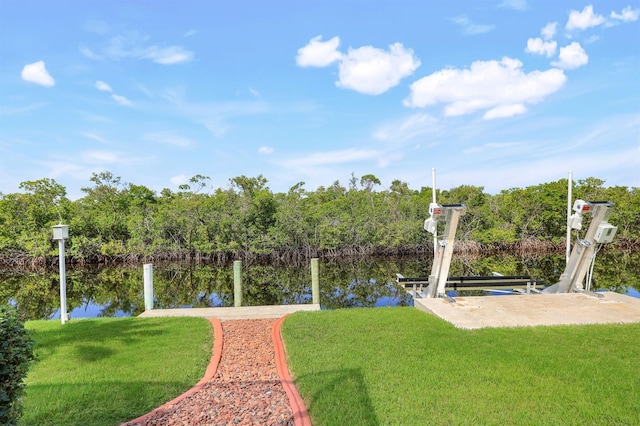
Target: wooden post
column 315, row 282
column 237, row 283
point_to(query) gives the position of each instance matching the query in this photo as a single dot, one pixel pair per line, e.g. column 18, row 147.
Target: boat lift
column 443, row 250
column 583, row 255
column 439, row 280
column 579, row 266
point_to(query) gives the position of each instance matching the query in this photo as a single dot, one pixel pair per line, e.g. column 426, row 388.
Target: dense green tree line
column 119, row 220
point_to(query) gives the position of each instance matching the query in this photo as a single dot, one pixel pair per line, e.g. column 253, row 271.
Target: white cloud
column 492, row 146
column 5, row 111
column 583, row 20
column 169, row 138
column 121, row 100
column 97, row 27
column 503, row 111
column 571, row 56
column 539, row 47
column 179, row 180
column 515, row 4
column 37, row 73
column 591, row 39
column 99, row 157
column 216, row 125
column 549, row 30
column 365, row 69
column 627, row 14
column 408, row 129
column 103, row 87
column 88, row 53
column 135, row 45
column 254, row 92
column 470, row 28
column 265, row 150
column 318, row 53
column 373, row 71
column 94, row 136
column 309, row 161
column 501, row 87
column 167, row 55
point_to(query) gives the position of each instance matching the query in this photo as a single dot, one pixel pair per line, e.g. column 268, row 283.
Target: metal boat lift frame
column 578, row 266
column 439, row 279
column 444, row 249
column 584, row 250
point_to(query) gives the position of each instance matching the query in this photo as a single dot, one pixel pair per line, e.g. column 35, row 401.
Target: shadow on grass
column 340, row 395
column 88, row 333
column 78, row 404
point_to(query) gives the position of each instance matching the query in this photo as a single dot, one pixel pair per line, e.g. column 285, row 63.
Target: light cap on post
column 60, row 232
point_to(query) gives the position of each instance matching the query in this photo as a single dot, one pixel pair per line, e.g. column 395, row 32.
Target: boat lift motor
column 444, row 248
column 584, row 250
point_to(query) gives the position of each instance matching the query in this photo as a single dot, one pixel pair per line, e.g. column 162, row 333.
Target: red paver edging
column 208, row 374
column 300, row 413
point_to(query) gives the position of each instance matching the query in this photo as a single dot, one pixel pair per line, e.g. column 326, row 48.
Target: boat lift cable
column 590, row 271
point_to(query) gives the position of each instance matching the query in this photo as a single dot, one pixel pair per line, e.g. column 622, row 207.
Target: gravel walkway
column 245, row 390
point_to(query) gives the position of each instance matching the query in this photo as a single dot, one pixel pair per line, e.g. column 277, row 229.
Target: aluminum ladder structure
column 444, row 248
column 584, row 250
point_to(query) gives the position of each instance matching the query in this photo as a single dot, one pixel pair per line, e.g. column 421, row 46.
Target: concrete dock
column 232, row 313
column 533, row 310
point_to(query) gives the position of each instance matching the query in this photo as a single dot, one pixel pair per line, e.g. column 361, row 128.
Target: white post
column 148, row 286
column 315, row 282
column 433, row 200
column 237, row 283
column 569, row 197
column 63, row 282
column 60, row 233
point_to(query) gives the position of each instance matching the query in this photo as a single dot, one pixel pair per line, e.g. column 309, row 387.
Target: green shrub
column 16, row 353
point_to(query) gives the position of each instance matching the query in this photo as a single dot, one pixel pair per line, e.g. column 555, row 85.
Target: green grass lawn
column 106, row 371
column 399, row 366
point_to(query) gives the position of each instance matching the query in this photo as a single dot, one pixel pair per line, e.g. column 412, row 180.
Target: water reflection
column 118, row 291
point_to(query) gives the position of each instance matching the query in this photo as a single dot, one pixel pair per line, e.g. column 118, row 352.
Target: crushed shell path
column 247, row 382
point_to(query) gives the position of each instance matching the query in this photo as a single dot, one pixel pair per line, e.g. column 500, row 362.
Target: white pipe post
column 433, row 199
column 63, row 282
column 315, row 282
column 60, row 233
column 148, row 286
column 569, row 197
column 237, row 283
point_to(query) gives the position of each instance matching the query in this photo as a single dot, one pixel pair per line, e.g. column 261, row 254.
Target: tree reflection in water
column 118, row 291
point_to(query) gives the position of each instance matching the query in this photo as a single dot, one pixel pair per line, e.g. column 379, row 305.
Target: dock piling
column 148, row 286
column 315, row 282
column 237, row 283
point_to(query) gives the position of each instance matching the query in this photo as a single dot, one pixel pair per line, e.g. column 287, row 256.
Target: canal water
column 118, row 291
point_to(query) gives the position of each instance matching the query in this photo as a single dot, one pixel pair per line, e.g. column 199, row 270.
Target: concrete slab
column 534, row 309
column 231, row 313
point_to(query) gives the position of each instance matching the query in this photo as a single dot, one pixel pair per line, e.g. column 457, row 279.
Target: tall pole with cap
column 569, row 203
column 61, row 233
column 433, row 200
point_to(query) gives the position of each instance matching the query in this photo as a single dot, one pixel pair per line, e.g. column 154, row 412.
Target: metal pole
column 569, row 197
column 63, row 282
column 315, row 282
column 148, row 286
column 433, row 199
column 237, row 283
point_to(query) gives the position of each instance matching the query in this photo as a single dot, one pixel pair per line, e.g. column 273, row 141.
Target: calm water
column 118, row 291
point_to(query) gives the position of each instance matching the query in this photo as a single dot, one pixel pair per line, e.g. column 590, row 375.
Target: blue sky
column 499, row 94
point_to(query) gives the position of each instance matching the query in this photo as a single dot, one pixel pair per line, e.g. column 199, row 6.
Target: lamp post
column 61, row 233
